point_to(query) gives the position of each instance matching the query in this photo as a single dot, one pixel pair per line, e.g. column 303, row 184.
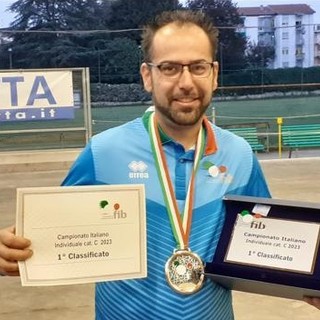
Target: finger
column 313, row 301
column 8, row 267
column 14, row 255
column 9, row 239
column 12, row 274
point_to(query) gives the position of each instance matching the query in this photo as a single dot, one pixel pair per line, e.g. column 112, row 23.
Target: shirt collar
column 211, row 145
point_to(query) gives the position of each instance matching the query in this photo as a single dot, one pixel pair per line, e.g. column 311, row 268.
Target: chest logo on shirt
column 138, row 170
column 217, row 172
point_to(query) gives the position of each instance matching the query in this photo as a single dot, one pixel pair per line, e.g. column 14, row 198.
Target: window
column 285, row 51
column 285, row 35
column 285, row 20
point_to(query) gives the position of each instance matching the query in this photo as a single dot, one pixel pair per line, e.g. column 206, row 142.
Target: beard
column 182, row 116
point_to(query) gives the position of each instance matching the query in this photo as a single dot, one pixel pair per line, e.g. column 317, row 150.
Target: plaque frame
column 263, row 280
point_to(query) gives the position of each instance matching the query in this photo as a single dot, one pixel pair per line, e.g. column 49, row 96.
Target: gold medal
column 185, row 272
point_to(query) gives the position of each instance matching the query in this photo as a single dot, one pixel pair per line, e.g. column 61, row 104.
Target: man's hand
column 12, row 250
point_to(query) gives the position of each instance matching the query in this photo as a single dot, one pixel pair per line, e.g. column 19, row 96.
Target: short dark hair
column 179, row 17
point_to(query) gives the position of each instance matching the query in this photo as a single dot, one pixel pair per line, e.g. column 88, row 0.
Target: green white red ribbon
column 180, row 224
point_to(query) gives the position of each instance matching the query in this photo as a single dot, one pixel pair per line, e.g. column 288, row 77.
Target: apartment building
column 288, row 28
column 317, row 45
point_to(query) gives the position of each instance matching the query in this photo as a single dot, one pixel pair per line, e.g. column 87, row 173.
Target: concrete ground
column 293, row 179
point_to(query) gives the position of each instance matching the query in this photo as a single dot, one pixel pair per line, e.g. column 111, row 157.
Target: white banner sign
column 36, row 95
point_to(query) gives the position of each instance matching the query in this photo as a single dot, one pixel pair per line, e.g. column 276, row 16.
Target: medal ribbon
column 180, row 226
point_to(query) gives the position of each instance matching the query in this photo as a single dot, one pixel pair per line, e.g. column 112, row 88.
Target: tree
column 225, row 16
column 81, row 33
column 132, row 14
column 116, row 61
column 259, row 56
column 53, row 14
column 37, row 41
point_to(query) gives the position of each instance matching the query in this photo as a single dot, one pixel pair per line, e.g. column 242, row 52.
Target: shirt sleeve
column 257, row 185
column 82, row 171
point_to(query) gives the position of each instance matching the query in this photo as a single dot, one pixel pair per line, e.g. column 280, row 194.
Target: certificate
column 274, row 243
column 82, row 234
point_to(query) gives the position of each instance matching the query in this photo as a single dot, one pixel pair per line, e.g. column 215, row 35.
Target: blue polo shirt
column 122, row 155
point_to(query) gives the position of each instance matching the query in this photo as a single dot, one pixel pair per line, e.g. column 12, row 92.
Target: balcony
column 265, row 25
column 299, row 41
column 300, row 29
column 300, row 56
column 266, row 40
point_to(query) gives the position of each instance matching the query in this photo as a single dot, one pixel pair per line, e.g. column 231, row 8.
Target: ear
column 215, row 71
column 146, row 77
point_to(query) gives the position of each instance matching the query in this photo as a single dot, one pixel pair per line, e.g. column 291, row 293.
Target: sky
column 6, row 17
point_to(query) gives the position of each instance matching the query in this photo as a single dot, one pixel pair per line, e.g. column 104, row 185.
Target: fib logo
column 250, row 220
column 112, row 212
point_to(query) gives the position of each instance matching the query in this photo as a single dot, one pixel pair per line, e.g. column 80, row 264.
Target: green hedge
column 119, row 93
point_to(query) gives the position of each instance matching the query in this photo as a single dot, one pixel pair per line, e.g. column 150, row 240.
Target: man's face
column 182, row 100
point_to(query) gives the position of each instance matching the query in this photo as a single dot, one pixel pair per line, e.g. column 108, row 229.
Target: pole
column 10, row 57
column 213, row 114
column 99, row 68
column 280, row 122
column 221, row 68
column 262, row 70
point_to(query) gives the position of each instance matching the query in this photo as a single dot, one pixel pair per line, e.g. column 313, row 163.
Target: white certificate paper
column 82, row 234
column 274, row 243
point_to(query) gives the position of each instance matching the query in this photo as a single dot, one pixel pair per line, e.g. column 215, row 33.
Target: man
column 188, row 165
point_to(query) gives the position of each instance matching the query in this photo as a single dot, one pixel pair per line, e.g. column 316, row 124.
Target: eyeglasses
column 174, row 70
